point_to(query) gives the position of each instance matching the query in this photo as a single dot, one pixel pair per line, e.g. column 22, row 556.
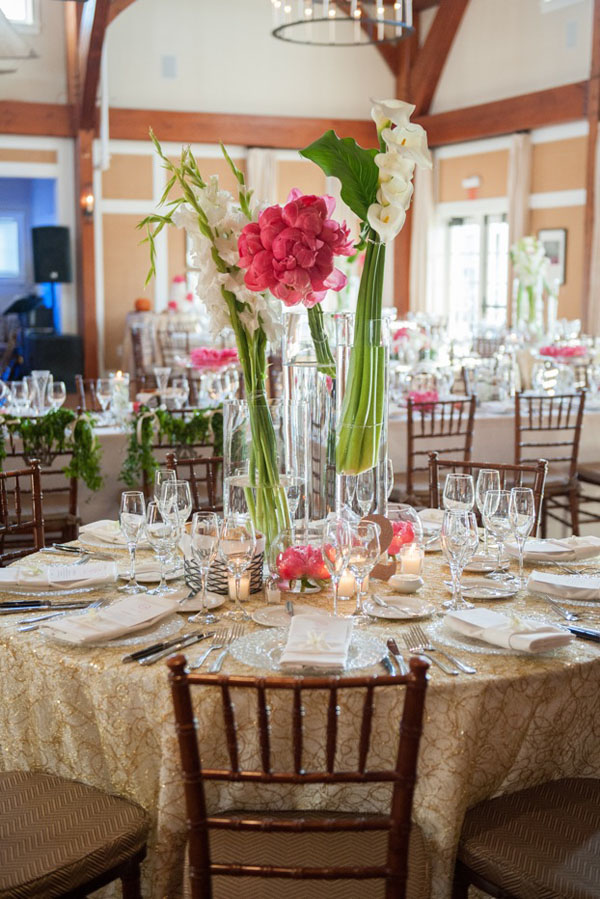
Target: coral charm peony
column 290, row 250
column 403, row 534
column 205, row 357
column 302, row 563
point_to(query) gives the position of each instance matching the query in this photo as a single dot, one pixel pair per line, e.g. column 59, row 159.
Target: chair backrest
column 549, row 426
column 288, row 696
column 21, row 511
column 162, row 445
column 486, row 347
column 442, row 425
column 173, row 346
column 205, row 477
column 524, row 475
column 142, row 349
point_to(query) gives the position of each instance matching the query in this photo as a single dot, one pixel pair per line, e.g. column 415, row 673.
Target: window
column 10, row 255
column 477, row 266
column 22, row 13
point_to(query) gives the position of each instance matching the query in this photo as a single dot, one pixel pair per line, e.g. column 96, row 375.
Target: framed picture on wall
column 555, row 245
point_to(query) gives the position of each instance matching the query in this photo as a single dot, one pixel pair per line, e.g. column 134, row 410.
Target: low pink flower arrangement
column 206, row 357
column 424, row 398
column 401, row 333
column 304, row 564
column 563, row 352
column 403, row 533
column 290, row 250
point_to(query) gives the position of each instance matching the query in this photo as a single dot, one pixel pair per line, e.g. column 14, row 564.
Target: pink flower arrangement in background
column 290, row 250
column 302, row 563
column 206, row 357
column 403, row 533
column 401, row 333
column 424, row 398
column 564, row 352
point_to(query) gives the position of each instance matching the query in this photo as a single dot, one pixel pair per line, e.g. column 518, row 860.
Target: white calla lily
column 396, row 192
column 394, row 165
column 391, row 112
column 386, row 221
column 410, row 142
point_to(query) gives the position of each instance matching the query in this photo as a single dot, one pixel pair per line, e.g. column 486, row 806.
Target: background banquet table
column 520, row 720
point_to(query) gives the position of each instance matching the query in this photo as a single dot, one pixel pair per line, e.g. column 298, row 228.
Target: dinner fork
column 568, row 616
column 417, row 633
column 32, row 624
column 218, row 641
column 236, row 631
column 419, row 651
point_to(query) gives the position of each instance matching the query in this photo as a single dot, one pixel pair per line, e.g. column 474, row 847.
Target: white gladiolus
column 529, row 260
column 391, row 112
column 386, row 221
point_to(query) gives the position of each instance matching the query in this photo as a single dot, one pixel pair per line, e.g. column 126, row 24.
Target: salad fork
column 417, row 633
column 418, row 650
column 236, row 631
column 220, row 638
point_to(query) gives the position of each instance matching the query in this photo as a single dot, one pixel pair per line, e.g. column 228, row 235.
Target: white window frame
column 32, row 25
column 14, row 215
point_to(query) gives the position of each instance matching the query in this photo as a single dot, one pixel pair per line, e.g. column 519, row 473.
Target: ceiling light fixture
column 342, row 23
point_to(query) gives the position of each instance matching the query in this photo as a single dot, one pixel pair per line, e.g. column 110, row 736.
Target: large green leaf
column 353, row 165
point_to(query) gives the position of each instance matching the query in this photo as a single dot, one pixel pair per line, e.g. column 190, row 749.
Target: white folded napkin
column 92, row 574
column 106, row 531
column 569, row 549
column 125, row 616
column 317, row 641
column 431, row 519
column 564, row 586
column 515, row 633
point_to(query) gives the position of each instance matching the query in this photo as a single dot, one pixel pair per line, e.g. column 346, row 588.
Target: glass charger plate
column 264, row 648
column 168, row 627
column 438, row 633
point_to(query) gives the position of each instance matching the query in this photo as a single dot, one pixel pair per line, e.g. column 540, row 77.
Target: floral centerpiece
column 563, row 352
column 530, row 265
column 206, row 358
column 303, row 566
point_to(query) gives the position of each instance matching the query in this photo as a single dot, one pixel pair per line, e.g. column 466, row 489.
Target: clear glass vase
column 265, row 462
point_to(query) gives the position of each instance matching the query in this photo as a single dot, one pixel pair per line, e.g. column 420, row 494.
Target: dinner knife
column 585, row 634
column 393, row 648
column 155, row 647
column 186, row 641
column 388, row 665
column 38, row 605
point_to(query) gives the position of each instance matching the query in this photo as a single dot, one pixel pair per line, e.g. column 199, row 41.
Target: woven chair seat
column 539, row 843
column 57, row 835
column 589, row 473
column 348, row 848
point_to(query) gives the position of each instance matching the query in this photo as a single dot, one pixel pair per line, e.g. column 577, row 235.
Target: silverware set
column 417, row 642
column 221, row 639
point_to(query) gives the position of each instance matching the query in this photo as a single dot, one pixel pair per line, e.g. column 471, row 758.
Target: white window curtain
column 262, row 174
column 518, row 190
column 423, row 215
column 593, row 300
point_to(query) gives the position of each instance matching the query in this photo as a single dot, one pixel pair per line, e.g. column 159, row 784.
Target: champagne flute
column 459, row 539
column 237, row 545
column 336, row 550
column 363, row 556
column 365, row 489
column 487, row 479
column 496, row 519
column 293, row 489
column 162, row 537
column 104, row 393
column 522, row 519
column 132, row 520
column 459, row 492
column 205, row 545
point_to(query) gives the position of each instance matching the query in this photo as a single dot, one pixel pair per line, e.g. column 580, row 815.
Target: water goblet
column 365, row 490
column 336, row 550
column 362, row 558
column 459, row 539
column 40, row 382
column 104, row 393
column 237, row 545
column 205, row 545
column 57, row 394
column 132, row 520
column 161, row 476
column 522, row 519
column 162, row 537
column 496, row 519
column 20, row 395
column 180, row 391
column 161, row 373
column 176, row 502
column 459, row 492
column 487, row 479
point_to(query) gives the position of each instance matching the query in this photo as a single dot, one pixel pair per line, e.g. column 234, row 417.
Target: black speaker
column 51, row 254
column 62, row 354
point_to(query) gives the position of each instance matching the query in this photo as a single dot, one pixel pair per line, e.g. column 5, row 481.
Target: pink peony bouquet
column 563, row 352
column 403, row 533
column 401, row 334
column 290, row 250
column 207, row 358
column 424, row 398
column 304, row 564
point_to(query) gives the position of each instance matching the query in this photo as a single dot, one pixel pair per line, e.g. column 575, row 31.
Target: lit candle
column 347, row 587
column 244, row 587
column 411, row 559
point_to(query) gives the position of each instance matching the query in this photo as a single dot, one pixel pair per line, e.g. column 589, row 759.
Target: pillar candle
column 244, row 586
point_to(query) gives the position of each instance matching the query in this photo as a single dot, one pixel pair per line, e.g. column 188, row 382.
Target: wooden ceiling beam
column 91, row 38
column 431, row 59
column 117, row 7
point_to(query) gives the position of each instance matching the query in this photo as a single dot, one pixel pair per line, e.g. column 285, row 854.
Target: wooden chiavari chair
column 162, row 445
column 525, row 475
column 551, row 426
column 486, row 347
column 205, row 477
column 173, row 347
column 21, row 512
column 266, row 692
column 445, row 426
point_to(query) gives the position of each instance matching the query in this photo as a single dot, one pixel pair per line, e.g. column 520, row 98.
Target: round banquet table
column 82, row 713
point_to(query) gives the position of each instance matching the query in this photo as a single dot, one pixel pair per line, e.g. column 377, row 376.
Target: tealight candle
column 411, row 559
column 244, row 586
column 347, row 587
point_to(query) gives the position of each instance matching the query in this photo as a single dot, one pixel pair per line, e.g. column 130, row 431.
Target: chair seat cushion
column 56, row 834
column 589, row 473
column 539, row 843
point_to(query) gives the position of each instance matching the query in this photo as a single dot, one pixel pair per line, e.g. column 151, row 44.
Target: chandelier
column 342, row 23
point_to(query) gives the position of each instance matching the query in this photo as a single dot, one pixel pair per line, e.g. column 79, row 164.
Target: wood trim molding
column 44, row 119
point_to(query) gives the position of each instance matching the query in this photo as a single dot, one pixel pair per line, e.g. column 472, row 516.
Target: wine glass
column 522, row 519
column 459, row 492
column 132, row 520
column 161, row 373
column 161, row 476
column 176, row 502
column 459, row 539
column 205, row 544
column 487, row 479
column 336, row 550
column 57, row 394
column 237, row 545
column 365, row 489
column 20, row 395
column 162, row 537
column 496, row 519
column 180, row 391
column 363, row 556
column 104, row 393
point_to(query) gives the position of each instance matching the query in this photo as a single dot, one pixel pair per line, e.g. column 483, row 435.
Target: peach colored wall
column 558, row 165
column 16, row 155
column 571, row 218
column 128, row 178
column 492, row 169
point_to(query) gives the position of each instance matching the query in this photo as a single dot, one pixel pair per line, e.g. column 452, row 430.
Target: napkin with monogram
column 125, row 616
column 59, row 577
column 317, row 641
column 521, row 634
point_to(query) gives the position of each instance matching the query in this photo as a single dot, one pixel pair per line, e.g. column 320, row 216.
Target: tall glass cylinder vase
column 529, row 307
column 362, row 449
column 305, row 381
column 265, row 462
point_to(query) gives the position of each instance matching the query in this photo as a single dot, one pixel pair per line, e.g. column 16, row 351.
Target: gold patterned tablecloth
column 520, row 720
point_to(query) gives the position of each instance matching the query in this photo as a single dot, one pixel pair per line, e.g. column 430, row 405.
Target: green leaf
column 353, row 165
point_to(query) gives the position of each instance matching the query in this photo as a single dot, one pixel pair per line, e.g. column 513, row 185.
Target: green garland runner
column 57, row 432
column 201, row 427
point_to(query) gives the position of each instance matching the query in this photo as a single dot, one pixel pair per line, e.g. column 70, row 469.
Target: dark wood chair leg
column 130, row 881
column 544, row 517
column 574, row 504
column 460, row 884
